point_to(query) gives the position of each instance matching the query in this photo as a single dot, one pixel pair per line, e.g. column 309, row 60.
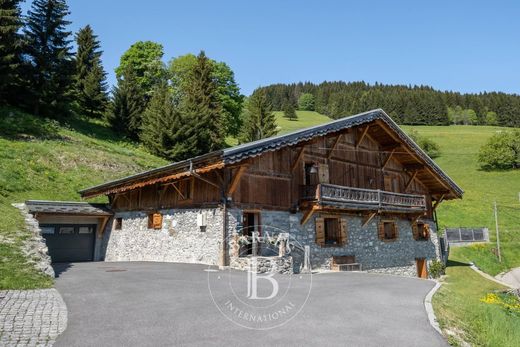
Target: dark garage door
column 68, row 243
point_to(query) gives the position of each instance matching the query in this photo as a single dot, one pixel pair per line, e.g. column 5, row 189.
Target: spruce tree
column 91, row 86
column 289, row 111
column 127, row 106
column 201, row 110
column 49, row 57
column 259, row 120
column 162, row 130
column 10, row 50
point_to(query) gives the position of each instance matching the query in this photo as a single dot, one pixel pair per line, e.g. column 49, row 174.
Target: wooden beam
column 437, row 203
column 298, row 158
column 178, row 190
column 307, row 215
column 358, row 142
column 368, row 219
column 410, row 181
column 413, row 167
column 196, row 175
column 389, row 147
column 236, row 179
column 387, row 160
column 102, row 227
column 331, row 151
column 219, row 177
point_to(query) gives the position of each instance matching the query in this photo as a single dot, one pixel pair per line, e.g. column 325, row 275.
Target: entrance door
column 422, row 270
column 69, row 243
column 251, row 224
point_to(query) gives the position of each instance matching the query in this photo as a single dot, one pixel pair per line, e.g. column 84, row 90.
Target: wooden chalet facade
column 357, row 187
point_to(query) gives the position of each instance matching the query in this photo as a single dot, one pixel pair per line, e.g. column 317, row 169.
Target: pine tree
column 259, row 120
column 289, row 111
column 10, row 49
column 91, row 86
column 162, row 131
column 48, row 52
column 201, row 110
column 127, row 106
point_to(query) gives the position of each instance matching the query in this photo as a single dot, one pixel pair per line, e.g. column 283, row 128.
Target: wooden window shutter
column 415, row 231
column 150, row 221
column 157, row 221
column 323, row 172
column 381, row 230
column 320, row 231
column 343, row 236
column 396, row 230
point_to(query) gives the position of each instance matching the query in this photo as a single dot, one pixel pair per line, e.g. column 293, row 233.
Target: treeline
column 419, row 105
column 179, row 109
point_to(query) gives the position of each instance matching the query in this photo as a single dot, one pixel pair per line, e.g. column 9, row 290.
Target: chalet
column 356, row 190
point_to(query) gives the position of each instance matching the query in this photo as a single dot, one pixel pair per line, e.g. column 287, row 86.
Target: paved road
column 165, row 304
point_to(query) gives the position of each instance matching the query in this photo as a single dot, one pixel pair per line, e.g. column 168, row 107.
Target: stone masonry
column 180, row 239
column 31, row 317
column 395, row 257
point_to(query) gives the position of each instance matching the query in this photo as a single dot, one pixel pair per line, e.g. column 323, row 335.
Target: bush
column 428, row 145
column 436, row 269
column 502, row 151
column 306, row 102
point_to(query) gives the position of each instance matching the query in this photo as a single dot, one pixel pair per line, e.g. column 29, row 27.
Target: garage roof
column 68, row 207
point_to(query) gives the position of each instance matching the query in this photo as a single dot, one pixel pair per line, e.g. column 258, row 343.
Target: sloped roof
column 252, row 149
column 67, row 207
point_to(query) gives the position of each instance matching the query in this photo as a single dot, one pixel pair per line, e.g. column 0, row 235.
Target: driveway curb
column 429, row 308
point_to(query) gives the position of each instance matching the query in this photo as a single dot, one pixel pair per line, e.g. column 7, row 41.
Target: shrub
column 502, row 151
column 428, row 145
column 436, row 268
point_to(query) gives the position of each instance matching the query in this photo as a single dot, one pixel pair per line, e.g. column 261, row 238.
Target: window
column 388, row 230
column 331, row 231
column 85, row 230
column 154, row 221
column 47, row 230
column 118, row 223
column 421, row 231
column 66, row 230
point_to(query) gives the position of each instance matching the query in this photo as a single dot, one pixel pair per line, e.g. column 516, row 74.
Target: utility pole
column 498, row 237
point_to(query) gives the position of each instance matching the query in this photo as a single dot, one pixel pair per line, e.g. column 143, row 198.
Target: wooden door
column 422, row 270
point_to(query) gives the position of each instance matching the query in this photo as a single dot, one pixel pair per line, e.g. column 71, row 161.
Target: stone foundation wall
column 179, row 240
column 397, row 257
column 282, row 265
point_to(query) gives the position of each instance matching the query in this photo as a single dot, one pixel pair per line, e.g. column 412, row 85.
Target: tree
column 127, row 106
column 491, row 118
column 306, row 102
column 10, row 50
column 90, row 77
column 290, row 112
column 162, row 130
column 49, row 57
column 144, row 58
column 201, row 110
column 502, row 151
column 258, row 119
column 229, row 93
column 429, row 146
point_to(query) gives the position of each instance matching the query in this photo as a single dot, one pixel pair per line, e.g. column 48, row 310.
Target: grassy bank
column 466, row 310
column 43, row 160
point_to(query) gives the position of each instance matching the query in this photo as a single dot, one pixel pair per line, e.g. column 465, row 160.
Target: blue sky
column 467, row 46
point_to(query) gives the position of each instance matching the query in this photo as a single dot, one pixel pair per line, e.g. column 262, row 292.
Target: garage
column 73, row 231
column 69, row 243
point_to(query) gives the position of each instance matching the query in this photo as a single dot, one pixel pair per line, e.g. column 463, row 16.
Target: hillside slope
column 42, row 160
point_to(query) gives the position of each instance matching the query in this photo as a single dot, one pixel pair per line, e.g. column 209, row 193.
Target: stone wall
column 179, row 240
column 282, row 265
column 34, row 247
column 390, row 257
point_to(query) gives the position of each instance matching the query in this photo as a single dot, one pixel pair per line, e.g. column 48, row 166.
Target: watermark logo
column 266, row 284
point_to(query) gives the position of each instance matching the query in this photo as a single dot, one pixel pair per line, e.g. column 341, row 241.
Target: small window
column 154, row 221
column 331, row 231
column 388, row 230
column 421, row 231
column 66, row 230
column 118, row 223
column 85, row 230
column 47, row 230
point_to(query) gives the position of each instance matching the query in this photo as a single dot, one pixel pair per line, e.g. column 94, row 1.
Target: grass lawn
column 305, row 119
column 463, row 315
column 38, row 166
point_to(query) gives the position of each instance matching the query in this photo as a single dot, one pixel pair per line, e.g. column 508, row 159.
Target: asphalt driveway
column 165, row 304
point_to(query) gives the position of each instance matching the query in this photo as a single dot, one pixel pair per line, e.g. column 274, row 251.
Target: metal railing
column 367, row 197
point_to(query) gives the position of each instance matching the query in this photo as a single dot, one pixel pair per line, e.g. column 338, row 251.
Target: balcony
column 329, row 195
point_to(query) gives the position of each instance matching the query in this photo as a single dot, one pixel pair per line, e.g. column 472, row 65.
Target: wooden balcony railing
column 329, row 194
